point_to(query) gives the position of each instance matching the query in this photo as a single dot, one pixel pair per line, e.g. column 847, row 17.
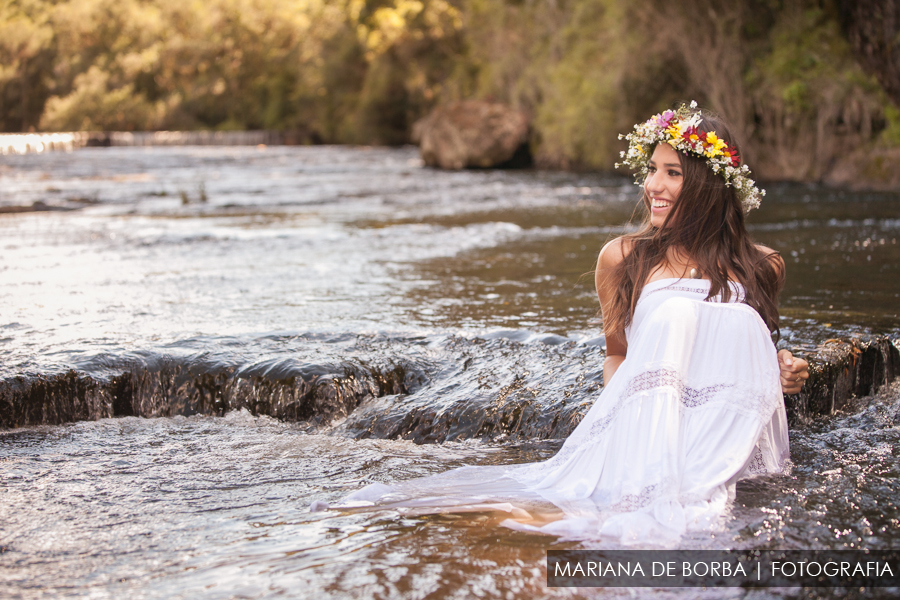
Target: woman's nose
column 653, row 182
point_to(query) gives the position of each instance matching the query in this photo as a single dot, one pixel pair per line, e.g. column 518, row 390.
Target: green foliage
column 362, row 71
column 95, row 105
column 579, row 91
column 585, row 70
column 411, row 47
column 891, row 134
column 811, row 95
column 26, row 62
column 333, row 70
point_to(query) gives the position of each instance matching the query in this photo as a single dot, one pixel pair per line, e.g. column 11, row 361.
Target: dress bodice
column 657, row 292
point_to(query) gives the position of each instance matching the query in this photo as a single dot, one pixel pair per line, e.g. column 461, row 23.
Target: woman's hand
column 794, row 372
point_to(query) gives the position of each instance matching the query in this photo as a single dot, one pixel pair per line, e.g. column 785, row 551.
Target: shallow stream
column 415, row 306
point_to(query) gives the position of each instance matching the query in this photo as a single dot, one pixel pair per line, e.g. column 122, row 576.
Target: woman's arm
column 794, row 370
column 616, row 346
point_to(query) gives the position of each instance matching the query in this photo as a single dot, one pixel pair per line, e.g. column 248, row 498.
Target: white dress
column 695, row 406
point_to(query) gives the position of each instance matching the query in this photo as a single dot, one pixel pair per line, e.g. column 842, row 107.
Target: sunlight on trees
column 362, row 71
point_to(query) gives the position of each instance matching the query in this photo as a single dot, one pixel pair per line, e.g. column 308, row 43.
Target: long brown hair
column 707, row 226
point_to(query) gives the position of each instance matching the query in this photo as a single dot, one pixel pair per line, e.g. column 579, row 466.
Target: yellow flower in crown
column 674, row 132
column 714, row 144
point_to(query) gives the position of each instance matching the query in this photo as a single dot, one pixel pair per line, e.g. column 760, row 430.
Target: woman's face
column 663, row 183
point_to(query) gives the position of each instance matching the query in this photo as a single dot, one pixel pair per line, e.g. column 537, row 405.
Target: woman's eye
column 674, row 174
column 651, row 169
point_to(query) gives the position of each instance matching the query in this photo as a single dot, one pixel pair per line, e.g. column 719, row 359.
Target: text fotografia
column 726, row 568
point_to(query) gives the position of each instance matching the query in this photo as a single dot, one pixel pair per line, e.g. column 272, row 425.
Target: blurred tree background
column 809, row 85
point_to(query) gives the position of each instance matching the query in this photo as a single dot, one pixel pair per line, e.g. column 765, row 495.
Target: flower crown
column 680, row 129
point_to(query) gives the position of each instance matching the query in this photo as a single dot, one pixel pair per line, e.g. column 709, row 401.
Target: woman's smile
column 659, row 204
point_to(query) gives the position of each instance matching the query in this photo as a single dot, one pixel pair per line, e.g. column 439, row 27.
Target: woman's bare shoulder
column 769, row 253
column 614, row 252
column 772, row 255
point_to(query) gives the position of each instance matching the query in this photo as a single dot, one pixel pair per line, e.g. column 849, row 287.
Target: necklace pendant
column 695, row 274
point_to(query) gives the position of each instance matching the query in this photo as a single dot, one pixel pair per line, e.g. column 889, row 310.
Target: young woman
column 693, row 397
column 695, row 197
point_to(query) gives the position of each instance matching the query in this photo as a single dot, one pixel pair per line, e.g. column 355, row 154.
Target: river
column 211, row 338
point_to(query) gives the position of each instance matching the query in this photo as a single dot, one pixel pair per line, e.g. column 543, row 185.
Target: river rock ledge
column 841, row 370
column 473, row 134
column 392, row 397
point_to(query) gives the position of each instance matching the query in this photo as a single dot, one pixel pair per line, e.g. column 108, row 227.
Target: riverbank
column 868, row 169
column 27, row 143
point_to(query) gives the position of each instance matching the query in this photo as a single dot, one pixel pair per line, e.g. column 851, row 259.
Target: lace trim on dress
column 647, row 496
column 748, row 403
column 737, row 291
column 669, row 488
column 757, row 464
column 690, row 397
column 746, row 399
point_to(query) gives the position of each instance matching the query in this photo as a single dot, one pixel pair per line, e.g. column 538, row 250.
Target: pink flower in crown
column 663, row 120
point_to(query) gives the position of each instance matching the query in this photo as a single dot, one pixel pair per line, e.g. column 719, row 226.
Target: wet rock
column 51, row 400
column 97, row 139
column 488, row 389
column 168, row 387
column 36, row 206
column 473, row 134
column 450, row 388
column 840, row 370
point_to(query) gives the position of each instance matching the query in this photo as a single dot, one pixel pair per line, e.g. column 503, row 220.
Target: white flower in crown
column 680, row 129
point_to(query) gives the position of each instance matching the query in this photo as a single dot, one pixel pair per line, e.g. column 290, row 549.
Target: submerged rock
column 473, row 134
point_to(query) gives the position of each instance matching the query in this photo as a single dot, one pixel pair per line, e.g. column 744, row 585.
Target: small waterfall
column 26, row 143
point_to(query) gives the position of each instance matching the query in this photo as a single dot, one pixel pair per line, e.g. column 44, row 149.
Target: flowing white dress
column 695, row 406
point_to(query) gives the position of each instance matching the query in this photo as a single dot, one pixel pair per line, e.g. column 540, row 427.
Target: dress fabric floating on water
column 695, row 406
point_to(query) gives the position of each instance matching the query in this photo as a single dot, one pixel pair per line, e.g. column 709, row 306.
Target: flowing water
column 238, row 331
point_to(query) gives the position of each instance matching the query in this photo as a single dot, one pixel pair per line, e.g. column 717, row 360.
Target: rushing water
column 371, row 304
